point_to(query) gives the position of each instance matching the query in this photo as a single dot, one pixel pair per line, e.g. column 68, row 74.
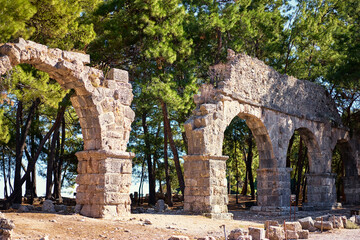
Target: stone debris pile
column 6, row 227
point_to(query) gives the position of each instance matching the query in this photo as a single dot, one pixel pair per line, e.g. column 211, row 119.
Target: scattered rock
column 60, row 208
column 126, row 230
column 22, row 209
column 53, row 220
column 6, row 224
column 306, row 223
column 290, row 234
column 247, row 237
column 48, row 206
column 5, row 234
column 147, row 222
column 45, row 238
column 178, row 237
column 303, row 234
column 270, row 223
column 160, row 206
column 236, row 233
column 276, row 233
column 293, row 226
column 16, row 205
column 326, row 225
column 207, row 238
column 257, row 233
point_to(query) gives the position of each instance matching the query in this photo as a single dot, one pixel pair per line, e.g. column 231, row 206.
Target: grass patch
column 351, row 225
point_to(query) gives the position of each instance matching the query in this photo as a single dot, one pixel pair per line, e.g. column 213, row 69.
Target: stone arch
column 314, row 151
column 245, row 85
column 349, row 158
column 103, row 106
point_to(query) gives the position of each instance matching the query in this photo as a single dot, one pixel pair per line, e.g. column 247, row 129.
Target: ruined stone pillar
column 206, row 186
column 352, row 189
column 273, row 189
column 104, row 179
column 321, row 191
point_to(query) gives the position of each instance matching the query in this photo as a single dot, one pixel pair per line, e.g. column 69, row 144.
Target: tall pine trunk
column 152, row 197
column 167, row 177
column 249, row 164
column 20, row 145
column 18, row 156
column 173, row 147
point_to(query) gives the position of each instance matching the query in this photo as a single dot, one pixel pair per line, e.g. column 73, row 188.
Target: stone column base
column 206, row 185
column 273, row 187
column 321, row 191
column 104, row 180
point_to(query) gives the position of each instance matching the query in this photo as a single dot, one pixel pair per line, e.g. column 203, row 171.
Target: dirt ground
column 36, row 225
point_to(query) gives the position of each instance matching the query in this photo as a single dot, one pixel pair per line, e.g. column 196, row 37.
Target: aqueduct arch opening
column 103, row 106
column 247, row 87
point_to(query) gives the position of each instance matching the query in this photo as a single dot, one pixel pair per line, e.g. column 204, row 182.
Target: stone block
column 269, row 223
column 275, row 233
column 303, row 234
column 74, row 56
column 326, row 225
column 118, row 75
column 178, row 237
column 293, row 226
column 257, row 233
column 206, row 238
column 236, row 234
column 48, row 206
column 290, row 234
column 306, row 223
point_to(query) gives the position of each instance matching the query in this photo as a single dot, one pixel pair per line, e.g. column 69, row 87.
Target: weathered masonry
column 274, row 106
column 103, row 106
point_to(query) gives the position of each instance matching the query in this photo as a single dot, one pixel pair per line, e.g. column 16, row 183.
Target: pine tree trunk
column 299, row 168
column 249, row 164
column 291, row 142
column 152, row 197
column 173, row 147
column 58, row 179
column 50, row 163
column 244, row 189
column 4, row 174
column 31, row 164
column 18, row 157
column 167, row 177
column 20, row 145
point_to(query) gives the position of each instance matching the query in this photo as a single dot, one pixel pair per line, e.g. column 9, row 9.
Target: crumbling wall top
column 251, row 81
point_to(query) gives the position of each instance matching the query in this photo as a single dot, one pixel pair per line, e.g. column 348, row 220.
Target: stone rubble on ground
column 290, row 234
column 325, row 225
column 6, row 227
column 160, row 206
column 257, row 233
column 48, row 206
column 206, row 238
column 60, row 208
column 22, row 209
column 177, row 237
column 236, row 233
column 276, row 233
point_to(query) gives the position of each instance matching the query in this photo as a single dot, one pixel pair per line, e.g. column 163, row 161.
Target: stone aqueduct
column 273, row 105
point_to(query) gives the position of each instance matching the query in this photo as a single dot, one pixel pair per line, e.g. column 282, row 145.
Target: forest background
column 167, row 46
